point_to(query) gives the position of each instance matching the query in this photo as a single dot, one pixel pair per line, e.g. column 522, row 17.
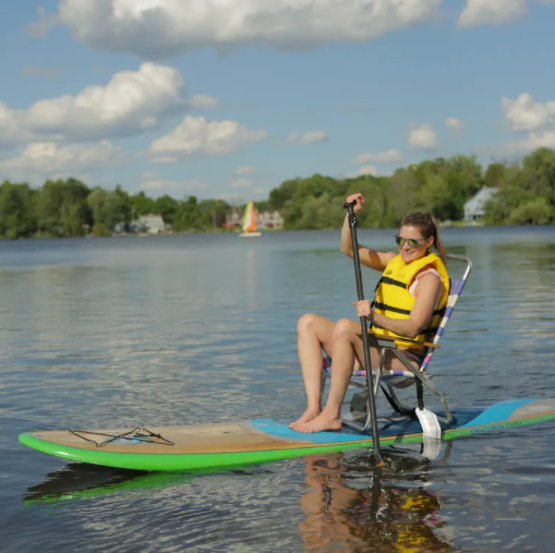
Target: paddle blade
column 430, row 424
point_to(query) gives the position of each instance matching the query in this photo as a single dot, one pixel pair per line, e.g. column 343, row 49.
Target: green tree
column 140, row 204
column 108, row 209
column 534, row 212
column 283, row 194
column 190, row 217
column 400, row 192
column 538, row 176
column 495, row 175
column 16, row 212
column 167, row 207
column 61, row 208
column 215, row 211
column 124, row 203
column 375, row 208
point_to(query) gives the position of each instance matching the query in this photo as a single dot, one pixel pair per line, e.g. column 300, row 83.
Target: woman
column 409, row 300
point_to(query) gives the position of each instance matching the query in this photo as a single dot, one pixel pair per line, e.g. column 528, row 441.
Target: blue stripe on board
column 499, row 412
column 465, row 418
column 283, row 431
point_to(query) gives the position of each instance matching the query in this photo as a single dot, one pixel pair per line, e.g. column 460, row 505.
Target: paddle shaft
column 364, row 332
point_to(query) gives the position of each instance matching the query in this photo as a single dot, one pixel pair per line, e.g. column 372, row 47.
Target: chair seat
column 389, row 377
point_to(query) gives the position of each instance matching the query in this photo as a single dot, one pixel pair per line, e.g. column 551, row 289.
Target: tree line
column 68, row 208
column 524, row 194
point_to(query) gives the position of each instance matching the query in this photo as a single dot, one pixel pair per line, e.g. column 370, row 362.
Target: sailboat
column 249, row 223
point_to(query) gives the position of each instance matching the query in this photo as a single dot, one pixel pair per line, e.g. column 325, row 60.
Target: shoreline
column 444, row 225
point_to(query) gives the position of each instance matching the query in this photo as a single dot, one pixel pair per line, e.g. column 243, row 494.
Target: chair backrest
column 455, row 290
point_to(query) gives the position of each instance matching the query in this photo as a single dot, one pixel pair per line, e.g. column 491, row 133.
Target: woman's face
column 412, row 235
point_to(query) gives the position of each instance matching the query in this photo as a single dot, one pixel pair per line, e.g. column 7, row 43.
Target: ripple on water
column 189, row 329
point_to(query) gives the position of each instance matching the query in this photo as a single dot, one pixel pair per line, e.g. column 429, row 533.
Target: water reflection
column 81, row 481
column 194, row 329
column 353, row 508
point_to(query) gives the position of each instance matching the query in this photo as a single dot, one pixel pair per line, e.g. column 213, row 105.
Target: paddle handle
column 376, row 450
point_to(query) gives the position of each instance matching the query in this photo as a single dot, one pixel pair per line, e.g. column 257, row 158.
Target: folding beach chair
column 411, row 375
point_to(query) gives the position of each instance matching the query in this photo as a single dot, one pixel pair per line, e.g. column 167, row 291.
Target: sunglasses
column 412, row 242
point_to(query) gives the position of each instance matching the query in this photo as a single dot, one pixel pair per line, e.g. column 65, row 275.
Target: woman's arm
column 370, row 258
column 427, row 293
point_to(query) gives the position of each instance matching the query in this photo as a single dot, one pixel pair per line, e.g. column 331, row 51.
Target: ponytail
column 427, row 225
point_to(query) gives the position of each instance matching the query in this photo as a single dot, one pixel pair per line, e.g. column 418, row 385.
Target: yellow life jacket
column 394, row 300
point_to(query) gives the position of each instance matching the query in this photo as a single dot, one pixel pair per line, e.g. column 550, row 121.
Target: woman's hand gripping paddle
column 376, row 452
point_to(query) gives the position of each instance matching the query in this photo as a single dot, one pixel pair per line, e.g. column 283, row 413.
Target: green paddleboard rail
column 184, row 462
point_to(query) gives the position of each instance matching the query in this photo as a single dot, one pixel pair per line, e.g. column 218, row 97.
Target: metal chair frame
column 420, row 376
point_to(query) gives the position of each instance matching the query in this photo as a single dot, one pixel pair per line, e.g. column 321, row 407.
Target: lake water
column 195, row 329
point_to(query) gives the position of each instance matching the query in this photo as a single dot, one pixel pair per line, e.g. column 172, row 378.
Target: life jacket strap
column 387, row 280
column 385, row 307
column 426, row 332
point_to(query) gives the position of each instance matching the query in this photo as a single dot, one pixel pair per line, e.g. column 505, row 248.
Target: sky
column 229, row 98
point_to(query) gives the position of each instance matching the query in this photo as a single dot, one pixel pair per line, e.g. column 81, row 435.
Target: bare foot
column 321, row 423
column 307, row 416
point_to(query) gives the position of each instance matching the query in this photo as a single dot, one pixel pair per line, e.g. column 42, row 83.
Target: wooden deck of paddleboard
column 205, row 446
column 193, row 439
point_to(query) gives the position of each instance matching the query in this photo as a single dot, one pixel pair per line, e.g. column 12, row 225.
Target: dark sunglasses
column 412, row 242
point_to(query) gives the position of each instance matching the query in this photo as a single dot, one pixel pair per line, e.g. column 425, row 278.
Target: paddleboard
column 227, row 445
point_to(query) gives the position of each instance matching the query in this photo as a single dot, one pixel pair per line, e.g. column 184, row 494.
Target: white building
column 271, row 219
column 265, row 219
column 153, row 224
column 474, row 208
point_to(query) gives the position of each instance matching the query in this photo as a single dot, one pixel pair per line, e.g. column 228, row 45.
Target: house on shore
column 271, row 219
column 151, row 224
column 475, row 207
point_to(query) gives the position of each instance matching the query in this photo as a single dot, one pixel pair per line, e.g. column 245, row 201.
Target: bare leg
column 314, row 332
column 346, row 344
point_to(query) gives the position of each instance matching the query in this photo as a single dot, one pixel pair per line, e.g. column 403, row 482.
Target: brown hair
column 426, row 223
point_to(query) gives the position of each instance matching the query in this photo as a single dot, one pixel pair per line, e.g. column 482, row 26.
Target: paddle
column 349, row 206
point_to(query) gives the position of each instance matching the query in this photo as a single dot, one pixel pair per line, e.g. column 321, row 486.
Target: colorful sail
column 249, row 220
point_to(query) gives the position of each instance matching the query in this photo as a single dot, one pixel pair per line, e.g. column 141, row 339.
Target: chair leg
column 381, row 364
column 427, row 382
column 419, row 394
column 369, row 390
column 323, row 385
column 396, row 404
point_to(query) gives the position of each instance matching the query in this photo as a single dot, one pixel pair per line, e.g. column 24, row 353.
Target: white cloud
column 131, row 103
column 260, row 190
column 423, row 137
column 241, row 183
column 525, row 145
column 45, row 21
column 203, row 101
column 309, row 137
column 11, row 128
column 367, row 170
column 525, row 114
column 387, row 156
column 455, row 126
column 42, row 159
column 244, row 170
column 158, row 28
column 196, row 136
column 535, row 120
column 364, row 170
column 492, row 12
